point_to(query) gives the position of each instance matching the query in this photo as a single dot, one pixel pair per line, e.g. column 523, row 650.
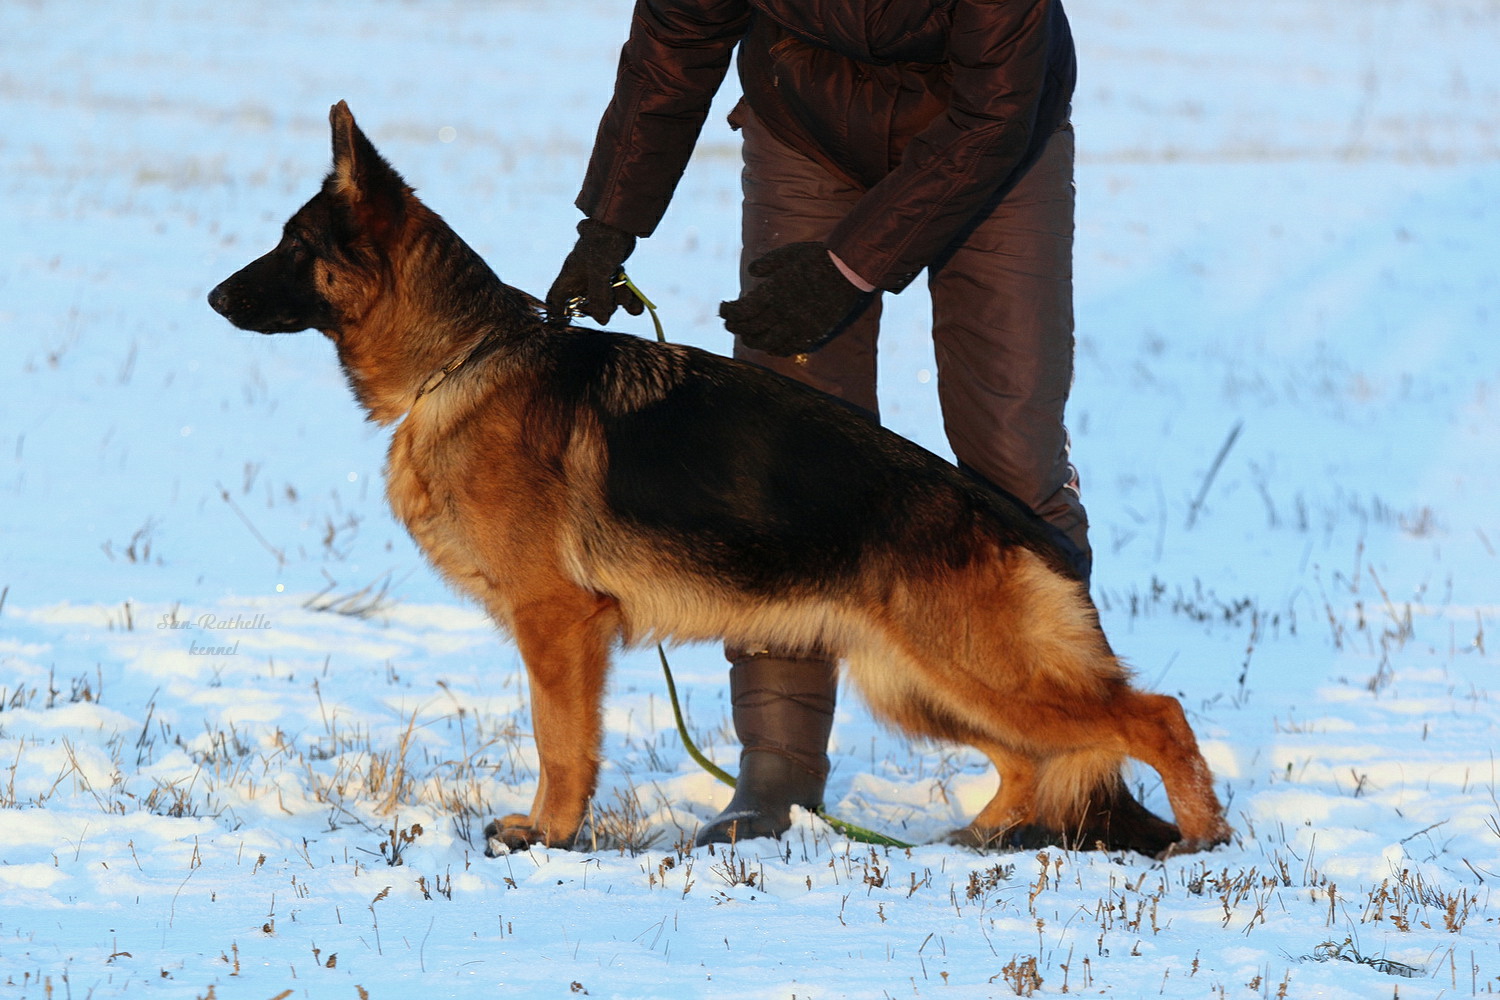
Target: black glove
column 589, row 273
column 802, row 303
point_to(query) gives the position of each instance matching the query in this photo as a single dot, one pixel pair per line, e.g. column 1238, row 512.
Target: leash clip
column 573, row 308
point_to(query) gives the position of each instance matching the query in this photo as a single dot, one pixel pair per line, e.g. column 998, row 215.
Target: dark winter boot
column 783, row 713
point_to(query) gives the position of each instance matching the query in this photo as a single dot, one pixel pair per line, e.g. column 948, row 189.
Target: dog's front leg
column 564, row 640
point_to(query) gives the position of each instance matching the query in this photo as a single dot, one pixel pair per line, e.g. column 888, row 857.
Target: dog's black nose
column 218, row 299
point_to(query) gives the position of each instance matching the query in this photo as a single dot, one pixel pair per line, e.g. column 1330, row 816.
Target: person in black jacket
column 881, row 138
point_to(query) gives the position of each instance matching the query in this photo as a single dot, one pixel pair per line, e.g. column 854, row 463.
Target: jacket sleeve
column 670, row 67
column 949, row 172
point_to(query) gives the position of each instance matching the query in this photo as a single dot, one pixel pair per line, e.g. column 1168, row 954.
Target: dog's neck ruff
column 487, row 343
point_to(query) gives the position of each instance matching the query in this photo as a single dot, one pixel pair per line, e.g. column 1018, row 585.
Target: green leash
column 856, row 833
column 687, row 741
column 624, row 279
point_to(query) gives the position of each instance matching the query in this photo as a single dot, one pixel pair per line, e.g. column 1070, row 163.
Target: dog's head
column 332, row 252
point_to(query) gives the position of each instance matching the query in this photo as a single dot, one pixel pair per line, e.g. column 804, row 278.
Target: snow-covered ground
column 231, row 692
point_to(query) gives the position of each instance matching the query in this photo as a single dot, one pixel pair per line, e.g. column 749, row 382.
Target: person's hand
column 801, row 304
column 589, row 274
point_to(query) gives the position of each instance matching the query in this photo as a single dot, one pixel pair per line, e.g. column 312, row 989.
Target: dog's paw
column 510, row 833
column 1195, row 845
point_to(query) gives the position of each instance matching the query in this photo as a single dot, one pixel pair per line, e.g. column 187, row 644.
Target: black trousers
column 1002, row 317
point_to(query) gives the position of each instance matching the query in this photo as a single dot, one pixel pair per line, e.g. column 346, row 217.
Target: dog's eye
column 296, row 249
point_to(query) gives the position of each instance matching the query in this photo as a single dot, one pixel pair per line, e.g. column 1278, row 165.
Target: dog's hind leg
column 919, row 710
column 1076, row 800
column 1074, row 791
column 565, row 639
column 1013, row 806
column 1156, row 732
column 1059, row 749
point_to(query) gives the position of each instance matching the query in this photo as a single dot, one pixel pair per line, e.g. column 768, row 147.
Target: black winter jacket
column 933, row 107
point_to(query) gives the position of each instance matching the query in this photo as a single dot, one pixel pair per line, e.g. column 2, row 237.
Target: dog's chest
column 410, row 490
column 473, row 499
column 424, row 495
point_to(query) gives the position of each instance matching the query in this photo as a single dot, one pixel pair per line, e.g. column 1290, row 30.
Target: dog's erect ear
column 361, row 175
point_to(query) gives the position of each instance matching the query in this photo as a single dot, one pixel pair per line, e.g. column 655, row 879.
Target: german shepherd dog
column 590, row 488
